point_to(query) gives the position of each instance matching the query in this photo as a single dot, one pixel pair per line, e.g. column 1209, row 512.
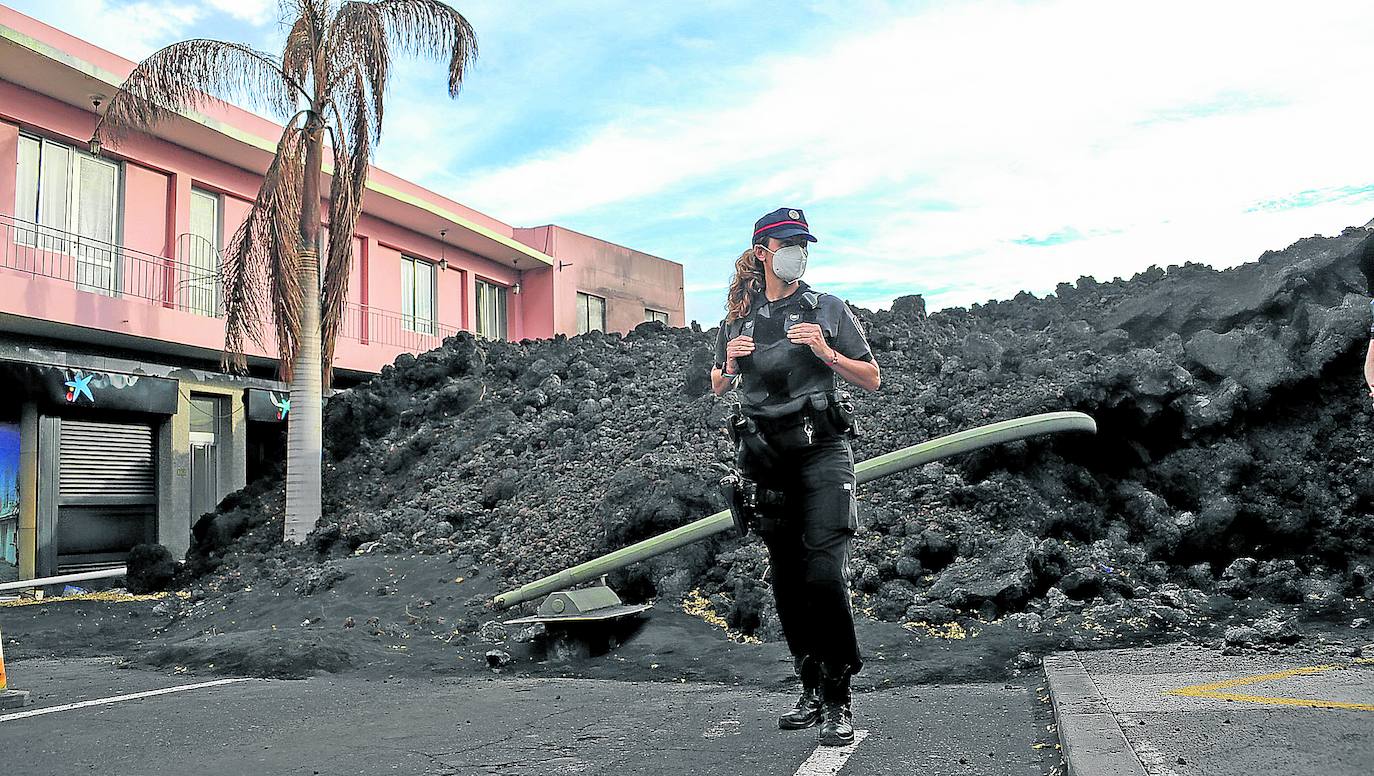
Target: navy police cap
column 782, row 223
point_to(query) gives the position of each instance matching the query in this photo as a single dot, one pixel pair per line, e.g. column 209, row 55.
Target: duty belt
column 825, row 414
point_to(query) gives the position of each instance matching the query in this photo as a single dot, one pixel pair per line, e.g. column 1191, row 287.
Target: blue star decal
column 79, row 385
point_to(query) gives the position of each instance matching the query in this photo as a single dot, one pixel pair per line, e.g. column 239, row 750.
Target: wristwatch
column 834, row 358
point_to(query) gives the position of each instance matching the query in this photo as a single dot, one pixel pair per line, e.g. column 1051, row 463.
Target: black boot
column 807, row 712
column 837, row 718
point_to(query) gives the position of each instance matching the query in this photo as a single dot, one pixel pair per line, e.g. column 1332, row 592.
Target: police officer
column 783, row 346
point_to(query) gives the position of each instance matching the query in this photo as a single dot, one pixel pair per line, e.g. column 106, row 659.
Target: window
column 201, row 255
column 655, row 315
column 491, row 310
column 67, row 193
column 591, row 313
column 417, row 295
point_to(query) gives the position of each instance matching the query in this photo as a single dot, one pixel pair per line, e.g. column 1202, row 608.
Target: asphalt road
column 498, row 725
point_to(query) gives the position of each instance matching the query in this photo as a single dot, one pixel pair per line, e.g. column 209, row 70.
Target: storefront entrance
column 207, row 423
column 103, row 491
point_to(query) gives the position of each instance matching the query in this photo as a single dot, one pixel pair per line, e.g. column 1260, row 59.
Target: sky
column 964, row 150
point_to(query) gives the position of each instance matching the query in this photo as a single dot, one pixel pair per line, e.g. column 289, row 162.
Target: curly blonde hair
column 748, row 280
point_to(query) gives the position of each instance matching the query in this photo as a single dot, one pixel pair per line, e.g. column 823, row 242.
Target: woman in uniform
column 783, row 345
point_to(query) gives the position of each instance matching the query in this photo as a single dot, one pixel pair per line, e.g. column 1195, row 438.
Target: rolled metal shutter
column 107, row 460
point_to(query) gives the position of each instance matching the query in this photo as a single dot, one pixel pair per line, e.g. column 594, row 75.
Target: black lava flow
column 1232, row 458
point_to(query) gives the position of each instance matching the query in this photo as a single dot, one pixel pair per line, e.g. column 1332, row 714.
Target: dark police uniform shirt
column 780, row 377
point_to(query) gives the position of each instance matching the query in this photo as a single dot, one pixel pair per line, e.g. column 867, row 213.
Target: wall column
column 238, row 444
column 28, row 490
column 178, row 223
column 174, row 480
column 469, row 302
column 9, row 160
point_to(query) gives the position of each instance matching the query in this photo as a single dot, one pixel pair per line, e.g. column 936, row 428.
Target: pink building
column 121, row 427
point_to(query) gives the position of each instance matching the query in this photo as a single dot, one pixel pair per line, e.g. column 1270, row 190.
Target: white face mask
column 789, row 263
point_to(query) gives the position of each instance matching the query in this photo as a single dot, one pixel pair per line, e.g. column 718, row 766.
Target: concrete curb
column 1092, row 739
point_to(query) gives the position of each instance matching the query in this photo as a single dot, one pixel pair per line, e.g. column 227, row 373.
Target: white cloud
column 131, row 30
column 1151, row 129
column 255, row 12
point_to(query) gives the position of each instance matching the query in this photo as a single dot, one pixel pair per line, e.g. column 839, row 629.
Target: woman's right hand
column 737, row 348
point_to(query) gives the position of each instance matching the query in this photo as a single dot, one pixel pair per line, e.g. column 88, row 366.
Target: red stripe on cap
column 802, row 224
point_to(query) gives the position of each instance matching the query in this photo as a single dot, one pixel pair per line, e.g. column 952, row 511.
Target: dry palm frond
column 351, row 151
column 284, row 263
column 363, row 33
column 265, row 245
column 429, row 27
column 297, row 57
column 355, row 105
column 189, row 75
column 360, row 42
column 313, row 12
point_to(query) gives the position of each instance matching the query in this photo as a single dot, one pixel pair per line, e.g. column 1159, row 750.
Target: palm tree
column 330, row 79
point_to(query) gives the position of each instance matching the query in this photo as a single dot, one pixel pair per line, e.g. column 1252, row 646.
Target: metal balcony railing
column 204, row 291
column 105, row 268
column 190, row 282
column 385, row 327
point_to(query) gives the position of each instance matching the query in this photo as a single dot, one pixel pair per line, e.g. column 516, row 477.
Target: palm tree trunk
column 304, row 444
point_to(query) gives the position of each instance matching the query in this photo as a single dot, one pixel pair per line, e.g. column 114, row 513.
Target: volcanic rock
column 1002, row 577
column 151, row 568
column 1230, row 456
column 1277, row 629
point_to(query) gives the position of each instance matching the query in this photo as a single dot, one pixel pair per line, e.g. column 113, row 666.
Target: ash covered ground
column 1227, row 498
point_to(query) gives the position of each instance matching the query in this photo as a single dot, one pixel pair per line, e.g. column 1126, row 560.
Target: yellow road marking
column 1212, row 689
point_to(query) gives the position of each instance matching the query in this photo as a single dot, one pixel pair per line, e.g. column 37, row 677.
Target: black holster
column 750, row 442
column 748, row 501
column 741, row 495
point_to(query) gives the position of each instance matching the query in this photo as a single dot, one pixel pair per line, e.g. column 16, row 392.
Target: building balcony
column 374, row 326
column 68, row 287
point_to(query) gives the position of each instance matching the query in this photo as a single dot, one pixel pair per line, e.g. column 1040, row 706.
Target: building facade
column 117, row 425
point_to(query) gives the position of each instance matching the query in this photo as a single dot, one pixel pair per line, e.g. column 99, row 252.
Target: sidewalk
column 1189, row 711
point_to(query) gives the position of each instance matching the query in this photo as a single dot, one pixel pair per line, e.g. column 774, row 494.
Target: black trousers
column 808, row 537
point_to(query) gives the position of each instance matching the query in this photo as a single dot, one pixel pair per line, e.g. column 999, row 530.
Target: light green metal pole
column 872, row 469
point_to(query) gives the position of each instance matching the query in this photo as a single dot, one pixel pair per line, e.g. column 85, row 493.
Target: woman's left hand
column 810, row 334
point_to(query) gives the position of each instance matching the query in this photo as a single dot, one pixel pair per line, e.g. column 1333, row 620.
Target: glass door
column 93, row 209
column 205, row 423
column 201, row 257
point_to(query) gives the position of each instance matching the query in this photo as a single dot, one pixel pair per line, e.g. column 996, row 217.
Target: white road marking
column 118, row 699
column 828, row 760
